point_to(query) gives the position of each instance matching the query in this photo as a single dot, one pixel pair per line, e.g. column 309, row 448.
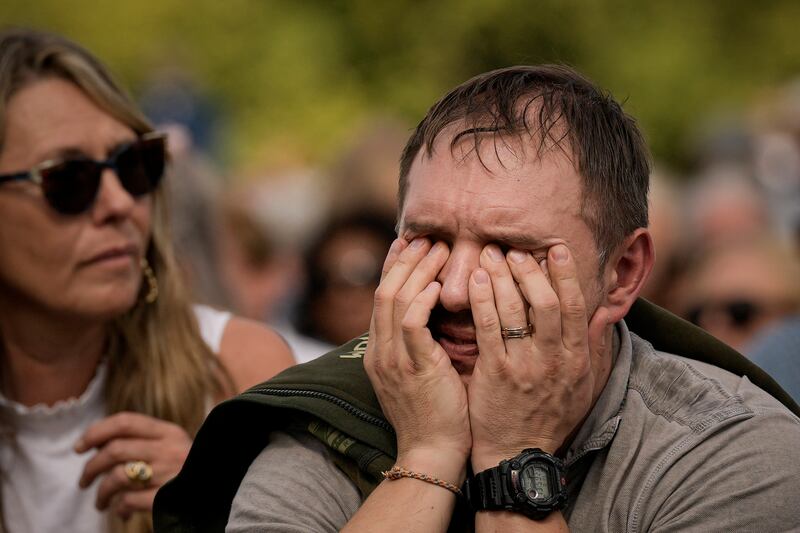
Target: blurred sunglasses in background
column 740, row 313
column 70, row 185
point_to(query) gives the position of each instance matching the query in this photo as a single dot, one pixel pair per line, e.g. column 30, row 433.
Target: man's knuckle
column 409, row 325
column 574, row 307
column 548, row 303
column 383, row 296
column 403, row 300
column 488, row 321
column 515, row 308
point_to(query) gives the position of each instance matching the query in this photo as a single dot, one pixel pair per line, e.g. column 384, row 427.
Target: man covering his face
column 499, row 387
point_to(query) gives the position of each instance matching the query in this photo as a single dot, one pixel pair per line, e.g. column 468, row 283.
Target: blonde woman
column 106, row 371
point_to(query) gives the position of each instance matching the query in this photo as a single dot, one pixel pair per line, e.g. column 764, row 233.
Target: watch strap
column 492, row 490
column 485, row 490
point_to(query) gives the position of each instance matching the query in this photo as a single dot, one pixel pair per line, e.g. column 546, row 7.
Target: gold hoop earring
column 152, row 282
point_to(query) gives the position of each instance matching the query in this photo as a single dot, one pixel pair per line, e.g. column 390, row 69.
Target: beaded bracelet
column 397, row 472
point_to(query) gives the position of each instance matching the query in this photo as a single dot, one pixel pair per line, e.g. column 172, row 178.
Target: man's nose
column 454, row 276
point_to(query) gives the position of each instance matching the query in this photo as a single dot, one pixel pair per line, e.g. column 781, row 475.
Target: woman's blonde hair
column 158, row 364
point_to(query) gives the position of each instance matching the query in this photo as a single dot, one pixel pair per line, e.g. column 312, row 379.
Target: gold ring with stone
column 517, row 333
column 138, row 471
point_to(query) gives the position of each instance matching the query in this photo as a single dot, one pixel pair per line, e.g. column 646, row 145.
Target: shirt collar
column 600, row 426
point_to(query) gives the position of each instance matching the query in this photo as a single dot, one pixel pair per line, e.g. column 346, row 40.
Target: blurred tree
column 294, row 79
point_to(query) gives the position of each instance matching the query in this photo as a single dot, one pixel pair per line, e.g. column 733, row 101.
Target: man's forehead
column 492, row 165
column 497, row 151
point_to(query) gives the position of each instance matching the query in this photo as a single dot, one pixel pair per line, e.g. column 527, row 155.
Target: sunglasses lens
column 742, row 312
column 70, row 186
column 141, row 166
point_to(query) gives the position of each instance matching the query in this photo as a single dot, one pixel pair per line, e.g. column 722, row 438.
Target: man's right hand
column 420, row 392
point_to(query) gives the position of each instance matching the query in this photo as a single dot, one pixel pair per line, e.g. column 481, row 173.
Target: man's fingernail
column 494, row 253
column 79, row 446
column 481, row 277
column 395, row 246
column 559, row 253
column 416, row 244
column 517, row 256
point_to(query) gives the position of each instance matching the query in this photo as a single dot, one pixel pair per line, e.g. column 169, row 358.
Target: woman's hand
column 125, row 437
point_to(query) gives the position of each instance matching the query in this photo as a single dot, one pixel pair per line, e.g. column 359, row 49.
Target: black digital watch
column 532, row 483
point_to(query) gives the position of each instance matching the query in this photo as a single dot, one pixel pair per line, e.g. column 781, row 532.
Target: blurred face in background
column 350, row 268
column 85, row 264
column 738, row 289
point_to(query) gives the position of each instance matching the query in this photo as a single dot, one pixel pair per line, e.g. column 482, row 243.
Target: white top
column 303, row 348
column 40, row 490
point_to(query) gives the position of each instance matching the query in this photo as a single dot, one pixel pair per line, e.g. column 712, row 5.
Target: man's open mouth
column 456, row 334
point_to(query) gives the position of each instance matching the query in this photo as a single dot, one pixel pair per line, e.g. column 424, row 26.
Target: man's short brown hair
column 557, row 107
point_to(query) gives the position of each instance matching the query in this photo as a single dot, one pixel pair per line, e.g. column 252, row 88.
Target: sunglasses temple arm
column 20, row 176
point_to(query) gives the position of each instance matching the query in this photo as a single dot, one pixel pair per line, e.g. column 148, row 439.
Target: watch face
column 536, row 482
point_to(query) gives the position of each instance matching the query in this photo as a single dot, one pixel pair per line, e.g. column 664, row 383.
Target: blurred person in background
column 724, row 202
column 262, row 269
column 343, row 268
column 776, row 164
column 776, row 350
column 106, row 370
column 192, row 192
column 736, row 288
column 367, row 169
column 666, row 228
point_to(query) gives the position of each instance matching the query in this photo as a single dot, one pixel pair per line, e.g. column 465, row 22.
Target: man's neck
column 47, row 357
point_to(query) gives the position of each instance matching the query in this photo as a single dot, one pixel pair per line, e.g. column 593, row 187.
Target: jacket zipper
column 350, row 408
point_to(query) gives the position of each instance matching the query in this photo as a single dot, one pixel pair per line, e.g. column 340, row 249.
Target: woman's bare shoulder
column 252, row 352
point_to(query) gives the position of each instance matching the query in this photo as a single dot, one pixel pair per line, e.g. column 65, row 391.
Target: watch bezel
column 512, row 470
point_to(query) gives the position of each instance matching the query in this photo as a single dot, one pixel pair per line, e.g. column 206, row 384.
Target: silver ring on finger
column 517, row 333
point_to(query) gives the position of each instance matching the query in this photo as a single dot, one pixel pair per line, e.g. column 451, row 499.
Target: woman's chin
column 106, row 304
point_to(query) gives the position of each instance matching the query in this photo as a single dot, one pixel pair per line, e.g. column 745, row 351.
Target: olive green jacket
column 332, row 398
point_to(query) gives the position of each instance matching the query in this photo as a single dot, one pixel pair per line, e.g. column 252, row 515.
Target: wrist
column 489, row 457
column 439, row 463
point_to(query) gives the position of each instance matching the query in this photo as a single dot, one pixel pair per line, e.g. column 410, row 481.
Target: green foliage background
column 295, row 78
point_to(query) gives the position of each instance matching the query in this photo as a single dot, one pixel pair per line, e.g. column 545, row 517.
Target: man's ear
column 627, row 272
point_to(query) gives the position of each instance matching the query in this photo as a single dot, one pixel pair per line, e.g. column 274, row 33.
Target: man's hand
column 531, row 392
column 125, row 437
column 419, row 390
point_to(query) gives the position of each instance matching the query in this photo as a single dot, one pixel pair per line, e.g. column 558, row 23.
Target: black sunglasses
column 70, row 185
column 740, row 312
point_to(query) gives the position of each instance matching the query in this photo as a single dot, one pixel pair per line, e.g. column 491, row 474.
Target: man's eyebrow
column 520, row 240
column 511, row 238
column 425, row 228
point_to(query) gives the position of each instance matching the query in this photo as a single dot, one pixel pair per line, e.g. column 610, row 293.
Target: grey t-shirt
column 293, row 487
column 672, row 444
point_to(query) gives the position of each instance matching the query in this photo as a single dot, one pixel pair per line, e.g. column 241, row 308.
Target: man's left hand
column 530, row 392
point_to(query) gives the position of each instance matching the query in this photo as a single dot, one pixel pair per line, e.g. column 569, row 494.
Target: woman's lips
column 114, row 257
column 114, row 253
